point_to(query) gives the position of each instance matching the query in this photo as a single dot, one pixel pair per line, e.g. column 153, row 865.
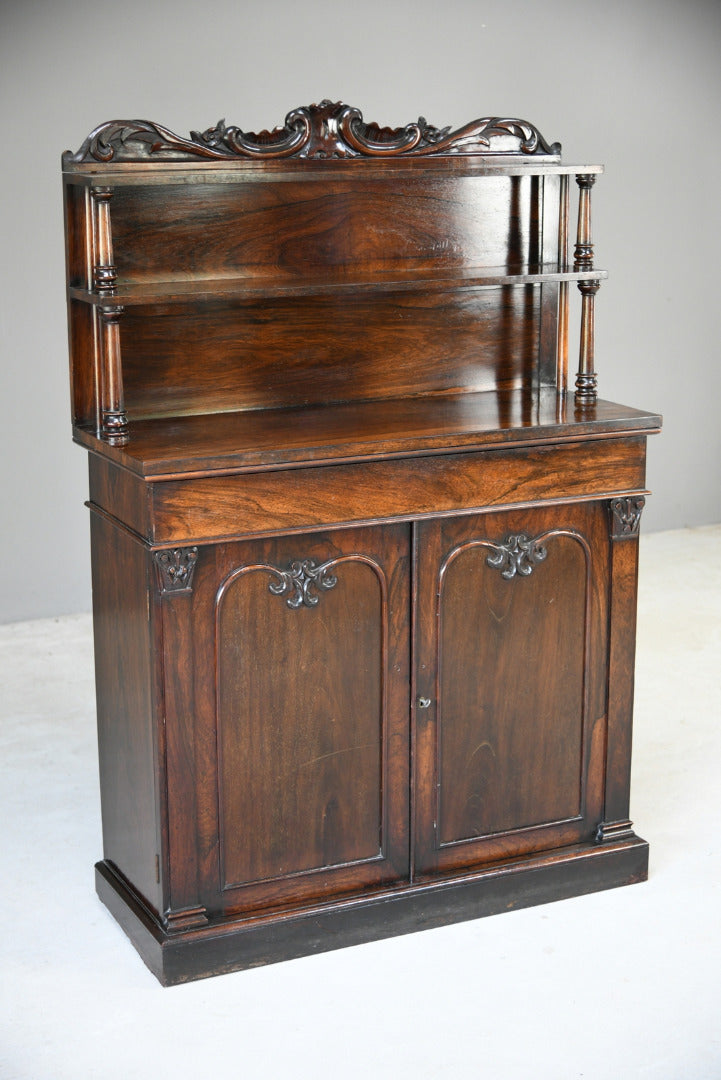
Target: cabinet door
column 301, row 733
column 510, row 683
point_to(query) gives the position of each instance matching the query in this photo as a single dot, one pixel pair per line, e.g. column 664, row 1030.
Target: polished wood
column 510, row 700
column 113, row 417
column 82, row 320
column 199, row 952
column 105, row 272
column 268, row 439
column 586, row 379
column 315, row 763
column 562, row 327
column 126, row 683
column 331, row 282
column 282, row 229
column 583, row 251
column 425, row 486
column 174, row 366
column 364, row 573
column 625, row 521
column 326, row 130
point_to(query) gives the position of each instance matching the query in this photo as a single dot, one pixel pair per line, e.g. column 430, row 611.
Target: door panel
column 300, row 741
column 509, row 661
column 308, row 778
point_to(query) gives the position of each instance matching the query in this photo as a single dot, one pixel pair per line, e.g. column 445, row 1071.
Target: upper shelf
column 169, row 173
column 192, row 289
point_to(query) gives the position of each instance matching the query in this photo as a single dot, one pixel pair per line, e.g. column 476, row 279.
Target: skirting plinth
column 231, row 944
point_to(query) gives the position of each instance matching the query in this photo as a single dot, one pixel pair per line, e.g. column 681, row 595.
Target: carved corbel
column 175, row 569
column 626, row 516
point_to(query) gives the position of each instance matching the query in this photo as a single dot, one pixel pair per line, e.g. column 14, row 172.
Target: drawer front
column 192, row 510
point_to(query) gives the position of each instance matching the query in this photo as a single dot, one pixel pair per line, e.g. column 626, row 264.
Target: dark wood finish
column 82, row 320
column 445, row 483
column 362, row 431
column 227, row 367
column 113, row 418
column 364, row 576
column 300, row 699
column 562, row 324
column 586, row 379
column 328, row 130
column 284, row 229
column 232, row 946
column 510, row 753
column 331, row 281
column 126, row 708
column 121, row 494
column 105, row 273
column 583, row 251
column 625, row 514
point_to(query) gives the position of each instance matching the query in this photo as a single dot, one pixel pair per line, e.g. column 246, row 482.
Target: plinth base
column 231, row 944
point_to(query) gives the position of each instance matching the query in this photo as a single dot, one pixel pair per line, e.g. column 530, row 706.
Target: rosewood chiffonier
column 364, row 566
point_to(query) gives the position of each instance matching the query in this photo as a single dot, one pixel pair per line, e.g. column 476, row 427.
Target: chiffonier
column 363, row 563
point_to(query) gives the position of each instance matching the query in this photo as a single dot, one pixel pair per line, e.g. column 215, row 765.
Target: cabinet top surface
column 367, row 430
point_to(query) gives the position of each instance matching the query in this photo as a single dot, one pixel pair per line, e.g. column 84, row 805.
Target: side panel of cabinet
column 301, row 688
column 126, row 689
column 512, row 614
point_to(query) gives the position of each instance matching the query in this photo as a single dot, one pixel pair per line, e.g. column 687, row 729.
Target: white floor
column 615, row 985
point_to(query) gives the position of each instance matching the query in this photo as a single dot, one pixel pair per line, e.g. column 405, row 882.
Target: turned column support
column 105, row 274
column 562, row 331
column 586, row 379
column 583, row 252
column 113, row 418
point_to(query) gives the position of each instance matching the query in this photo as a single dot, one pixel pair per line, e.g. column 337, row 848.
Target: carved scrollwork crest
column 517, row 555
column 176, row 569
column 301, row 577
column 626, row 516
column 327, row 130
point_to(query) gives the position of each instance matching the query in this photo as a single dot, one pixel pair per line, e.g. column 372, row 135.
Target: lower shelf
column 232, row 944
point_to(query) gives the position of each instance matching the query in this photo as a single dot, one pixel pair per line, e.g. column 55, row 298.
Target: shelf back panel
column 283, row 230
column 285, row 352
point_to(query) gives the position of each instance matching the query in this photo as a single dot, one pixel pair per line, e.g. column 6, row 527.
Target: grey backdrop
column 636, row 85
